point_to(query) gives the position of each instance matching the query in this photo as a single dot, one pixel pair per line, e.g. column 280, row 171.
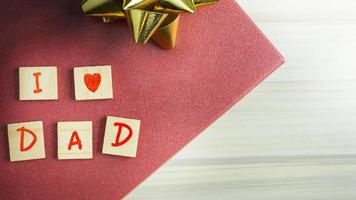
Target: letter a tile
column 38, row 83
column 26, row 141
column 75, row 140
column 121, row 136
column 93, row 83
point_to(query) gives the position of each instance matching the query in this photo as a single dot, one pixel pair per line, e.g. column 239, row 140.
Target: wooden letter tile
column 75, row 140
column 38, row 83
column 93, row 83
column 26, row 141
column 121, row 136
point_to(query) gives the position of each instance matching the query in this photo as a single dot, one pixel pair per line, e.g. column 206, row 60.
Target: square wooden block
column 93, row 82
column 38, row 83
column 26, row 141
column 121, row 136
column 75, row 140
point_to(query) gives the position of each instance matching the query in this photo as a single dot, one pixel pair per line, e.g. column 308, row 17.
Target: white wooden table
column 294, row 136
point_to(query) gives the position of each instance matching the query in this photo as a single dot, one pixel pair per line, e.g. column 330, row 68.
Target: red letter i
column 38, row 89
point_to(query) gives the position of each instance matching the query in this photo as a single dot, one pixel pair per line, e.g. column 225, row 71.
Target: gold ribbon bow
column 156, row 19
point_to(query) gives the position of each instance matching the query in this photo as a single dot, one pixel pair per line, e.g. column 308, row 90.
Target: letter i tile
column 26, row 141
column 38, row 83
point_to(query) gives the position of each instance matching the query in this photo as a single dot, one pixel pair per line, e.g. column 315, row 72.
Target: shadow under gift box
column 220, row 56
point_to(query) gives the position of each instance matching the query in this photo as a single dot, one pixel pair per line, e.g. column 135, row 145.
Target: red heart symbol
column 92, row 81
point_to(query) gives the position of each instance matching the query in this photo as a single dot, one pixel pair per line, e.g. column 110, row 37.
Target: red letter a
column 75, row 140
column 22, row 139
column 117, row 142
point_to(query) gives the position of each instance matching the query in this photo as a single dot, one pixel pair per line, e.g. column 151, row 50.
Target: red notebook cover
column 220, row 56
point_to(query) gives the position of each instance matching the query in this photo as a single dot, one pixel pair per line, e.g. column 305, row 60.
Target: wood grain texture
column 294, row 136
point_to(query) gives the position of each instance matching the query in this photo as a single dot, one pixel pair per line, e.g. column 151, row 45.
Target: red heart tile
column 220, row 56
column 92, row 81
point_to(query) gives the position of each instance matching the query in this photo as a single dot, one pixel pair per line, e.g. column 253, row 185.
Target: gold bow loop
column 156, row 19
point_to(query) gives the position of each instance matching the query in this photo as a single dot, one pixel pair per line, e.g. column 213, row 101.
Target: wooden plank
column 294, row 136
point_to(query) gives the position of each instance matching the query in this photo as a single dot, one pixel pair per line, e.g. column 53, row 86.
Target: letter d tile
column 26, row 141
column 121, row 136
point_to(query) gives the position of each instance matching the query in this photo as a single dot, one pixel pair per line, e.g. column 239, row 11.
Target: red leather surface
column 220, row 56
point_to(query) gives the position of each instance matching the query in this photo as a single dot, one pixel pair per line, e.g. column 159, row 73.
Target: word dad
column 75, row 139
